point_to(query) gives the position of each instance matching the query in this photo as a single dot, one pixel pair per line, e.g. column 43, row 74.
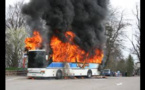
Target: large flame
column 69, row 52
column 33, row 42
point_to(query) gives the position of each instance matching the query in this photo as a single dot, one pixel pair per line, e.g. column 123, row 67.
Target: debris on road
column 100, row 77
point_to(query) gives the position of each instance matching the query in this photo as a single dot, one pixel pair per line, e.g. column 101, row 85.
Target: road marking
column 118, row 84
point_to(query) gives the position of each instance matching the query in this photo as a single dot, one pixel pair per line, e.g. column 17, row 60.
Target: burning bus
column 68, row 37
column 67, row 58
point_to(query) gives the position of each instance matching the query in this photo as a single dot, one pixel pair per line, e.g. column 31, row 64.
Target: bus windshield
column 37, row 59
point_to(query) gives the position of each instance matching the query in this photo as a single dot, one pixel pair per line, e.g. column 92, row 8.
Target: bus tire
column 89, row 73
column 59, row 74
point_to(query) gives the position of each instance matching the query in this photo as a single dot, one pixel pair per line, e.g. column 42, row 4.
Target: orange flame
column 33, row 42
column 69, row 52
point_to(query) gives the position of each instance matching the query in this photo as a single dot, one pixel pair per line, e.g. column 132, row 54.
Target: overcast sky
column 124, row 4
column 127, row 5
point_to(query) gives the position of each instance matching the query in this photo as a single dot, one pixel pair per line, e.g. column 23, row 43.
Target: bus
column 40, row 66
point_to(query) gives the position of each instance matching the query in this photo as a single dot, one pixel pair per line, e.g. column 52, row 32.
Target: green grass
column 13, row 68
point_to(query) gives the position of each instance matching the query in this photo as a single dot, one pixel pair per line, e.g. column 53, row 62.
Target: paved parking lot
column 111, row 83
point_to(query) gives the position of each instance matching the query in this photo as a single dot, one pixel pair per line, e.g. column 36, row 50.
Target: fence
column 16, row 72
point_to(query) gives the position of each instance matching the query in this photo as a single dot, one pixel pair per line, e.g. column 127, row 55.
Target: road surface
column 111, row 83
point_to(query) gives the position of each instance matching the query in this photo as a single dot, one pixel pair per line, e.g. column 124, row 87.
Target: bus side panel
column 95, row 71
column 51, row 72
column 83, row 72
column 36, row 72
column 79, row 72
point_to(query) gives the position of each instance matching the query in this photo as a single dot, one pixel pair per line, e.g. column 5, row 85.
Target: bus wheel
column 89, row 74
column 58, row 74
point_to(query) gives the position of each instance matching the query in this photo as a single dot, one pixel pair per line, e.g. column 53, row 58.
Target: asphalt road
column 111, row 83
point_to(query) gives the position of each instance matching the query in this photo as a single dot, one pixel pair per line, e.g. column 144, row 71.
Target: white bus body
column 52, row 69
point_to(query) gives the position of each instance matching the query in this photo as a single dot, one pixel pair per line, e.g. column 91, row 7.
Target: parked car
column 107, row 72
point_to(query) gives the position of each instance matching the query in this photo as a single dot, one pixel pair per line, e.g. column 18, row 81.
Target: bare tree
column 136, row 43
column 15, row 34
column 14, row 17
column 115, row 26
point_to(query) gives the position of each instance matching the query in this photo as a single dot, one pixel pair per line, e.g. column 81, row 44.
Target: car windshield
column 105, row 71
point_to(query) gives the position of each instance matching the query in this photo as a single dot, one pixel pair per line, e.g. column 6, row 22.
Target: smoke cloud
column 85, row 18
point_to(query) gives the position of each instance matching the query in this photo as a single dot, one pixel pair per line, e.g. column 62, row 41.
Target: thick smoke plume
column 85, row 18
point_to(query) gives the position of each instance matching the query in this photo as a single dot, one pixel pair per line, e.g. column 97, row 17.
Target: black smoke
column 85, row 18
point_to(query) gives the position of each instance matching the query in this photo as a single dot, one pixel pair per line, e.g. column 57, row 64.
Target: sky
column 127, row 5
